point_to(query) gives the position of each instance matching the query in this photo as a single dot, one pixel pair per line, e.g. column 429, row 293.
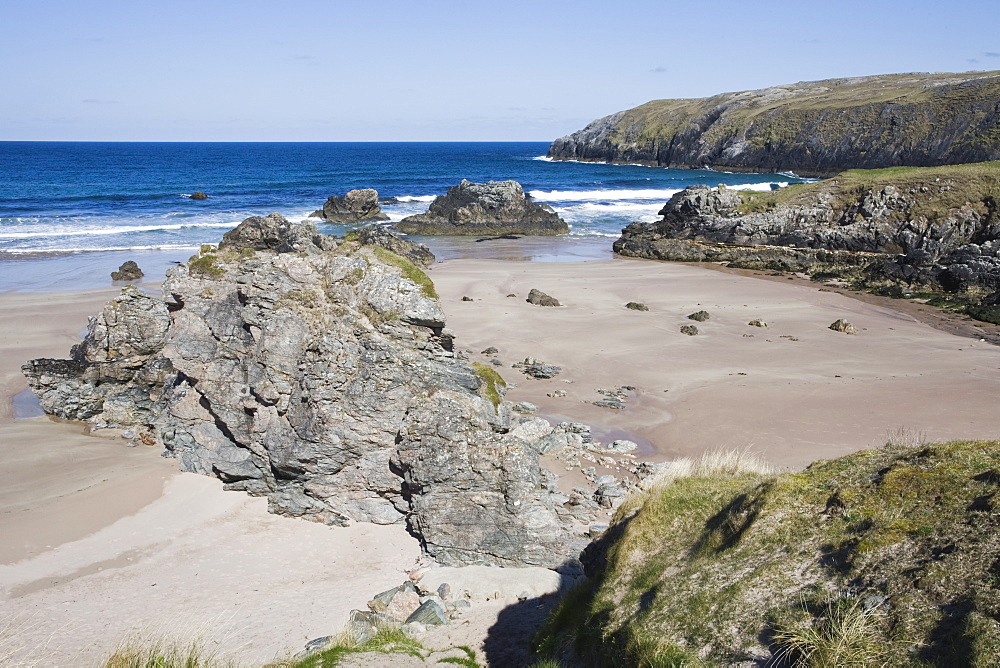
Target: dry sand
column 99, row 540
column 794, row 391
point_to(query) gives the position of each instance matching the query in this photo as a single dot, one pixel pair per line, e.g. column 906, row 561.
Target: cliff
column 886, row 557
column 812, row 128
column 924, row 229
column 318, row 372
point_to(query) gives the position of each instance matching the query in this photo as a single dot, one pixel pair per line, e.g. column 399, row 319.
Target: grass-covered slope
column 936, row 191
column 814, row 128
column 884, row 557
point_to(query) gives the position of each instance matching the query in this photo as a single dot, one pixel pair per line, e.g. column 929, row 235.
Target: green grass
column 492, row 383
column 947, row 188
column 409, row 270
column 163, row 653
column 883, row 557
column 205, row 266
column 387, row 641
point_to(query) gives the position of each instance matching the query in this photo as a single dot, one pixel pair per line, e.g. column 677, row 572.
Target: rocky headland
column 318, row 372
column 813, row 128
column 485, row 209
column 902, row 231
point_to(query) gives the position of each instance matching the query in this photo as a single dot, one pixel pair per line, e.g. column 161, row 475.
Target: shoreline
column 97, row 522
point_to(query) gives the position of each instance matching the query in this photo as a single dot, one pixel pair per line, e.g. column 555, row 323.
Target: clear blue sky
column 312, row 70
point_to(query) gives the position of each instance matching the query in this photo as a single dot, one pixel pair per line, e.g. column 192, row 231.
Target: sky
column 341, row 70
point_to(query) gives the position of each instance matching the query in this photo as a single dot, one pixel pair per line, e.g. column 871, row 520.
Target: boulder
column 382, row 236
column 636, row 306
column 539, row 298
column 699, row 316
column 842, row 325
column 494, row 209
column 128, row 271
column 690, row 330
column 357, row 206
column 199, row 195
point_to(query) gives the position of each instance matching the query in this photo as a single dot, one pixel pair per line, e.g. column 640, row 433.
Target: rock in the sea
column 756, row 322
column 357, row 206
column 690, row 330
column 539, row 298
column 128, row 271
column 382, row 236
column 485, row 209
column 842, row 325
column 636, row 306
column 199, row 195
column 323, row 380
column 699, row 316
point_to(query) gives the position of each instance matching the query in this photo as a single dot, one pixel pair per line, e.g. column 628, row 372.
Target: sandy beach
column 101, row 540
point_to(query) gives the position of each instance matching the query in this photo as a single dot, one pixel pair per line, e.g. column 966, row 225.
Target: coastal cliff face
column 926, row 228
column 321, row 376
column 812, row 128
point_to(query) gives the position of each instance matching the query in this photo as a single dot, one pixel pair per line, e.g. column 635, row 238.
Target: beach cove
column 97, row 521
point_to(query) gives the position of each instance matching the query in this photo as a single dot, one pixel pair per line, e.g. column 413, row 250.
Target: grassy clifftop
column 884, row 557
column 814, row 128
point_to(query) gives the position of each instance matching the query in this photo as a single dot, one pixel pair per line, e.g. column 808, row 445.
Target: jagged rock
column 699, row 316
column 357, row 206
column 539, row 298
column 939, row 237
column 128, row 271
column 275, row 233
column 485, row 209
column 323, row 380
column 489, row 351
column 757, row 323
column 636, row 306
column 469, row 487
column 382, row 236
column 430, row 613
column 539, row 370
column 690, row 330
column 398, row 602
column 198, row 195
column 843, row 326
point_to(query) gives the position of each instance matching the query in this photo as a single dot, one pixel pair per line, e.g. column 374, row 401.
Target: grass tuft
column 409, row 270
column 492, row 383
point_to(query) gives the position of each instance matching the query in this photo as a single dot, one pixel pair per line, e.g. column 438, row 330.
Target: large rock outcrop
column 485, row 209
column 357, row 206
column 925, row 227
column 814, row 128
column 321, row 377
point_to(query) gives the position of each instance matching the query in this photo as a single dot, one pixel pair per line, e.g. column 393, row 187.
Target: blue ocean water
column 104, row 199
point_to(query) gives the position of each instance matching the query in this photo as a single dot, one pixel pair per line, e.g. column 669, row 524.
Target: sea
column 72, row 212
